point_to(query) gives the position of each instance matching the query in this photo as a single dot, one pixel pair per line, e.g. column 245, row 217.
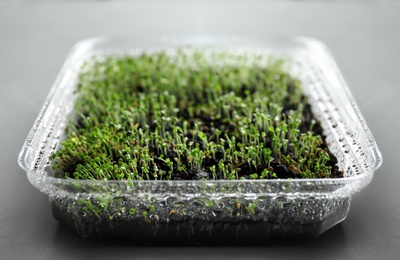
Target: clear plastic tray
column 208, row 211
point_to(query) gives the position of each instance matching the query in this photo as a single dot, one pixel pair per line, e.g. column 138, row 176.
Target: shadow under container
column 208, row 212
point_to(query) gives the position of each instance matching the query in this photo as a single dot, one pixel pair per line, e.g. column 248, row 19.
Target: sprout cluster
column 189, row 116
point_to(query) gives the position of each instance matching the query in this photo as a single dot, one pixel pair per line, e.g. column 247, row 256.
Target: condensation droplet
column 179, row 204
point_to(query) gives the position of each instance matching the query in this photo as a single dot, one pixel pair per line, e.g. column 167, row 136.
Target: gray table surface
column 35, row 37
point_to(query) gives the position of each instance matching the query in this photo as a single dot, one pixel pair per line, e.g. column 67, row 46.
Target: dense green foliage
column 185, row 116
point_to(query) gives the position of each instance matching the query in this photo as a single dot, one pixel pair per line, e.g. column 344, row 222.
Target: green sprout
column 184, row 116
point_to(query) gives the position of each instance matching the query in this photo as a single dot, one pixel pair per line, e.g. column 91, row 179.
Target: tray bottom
column 198, row 232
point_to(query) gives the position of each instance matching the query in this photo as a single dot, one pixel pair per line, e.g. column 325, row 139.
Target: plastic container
column 208, row 211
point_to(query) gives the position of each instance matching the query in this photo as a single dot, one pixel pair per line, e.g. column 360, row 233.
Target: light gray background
column 35, row 37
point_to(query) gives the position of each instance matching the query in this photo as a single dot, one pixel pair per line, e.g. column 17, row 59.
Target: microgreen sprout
column 172, row 117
